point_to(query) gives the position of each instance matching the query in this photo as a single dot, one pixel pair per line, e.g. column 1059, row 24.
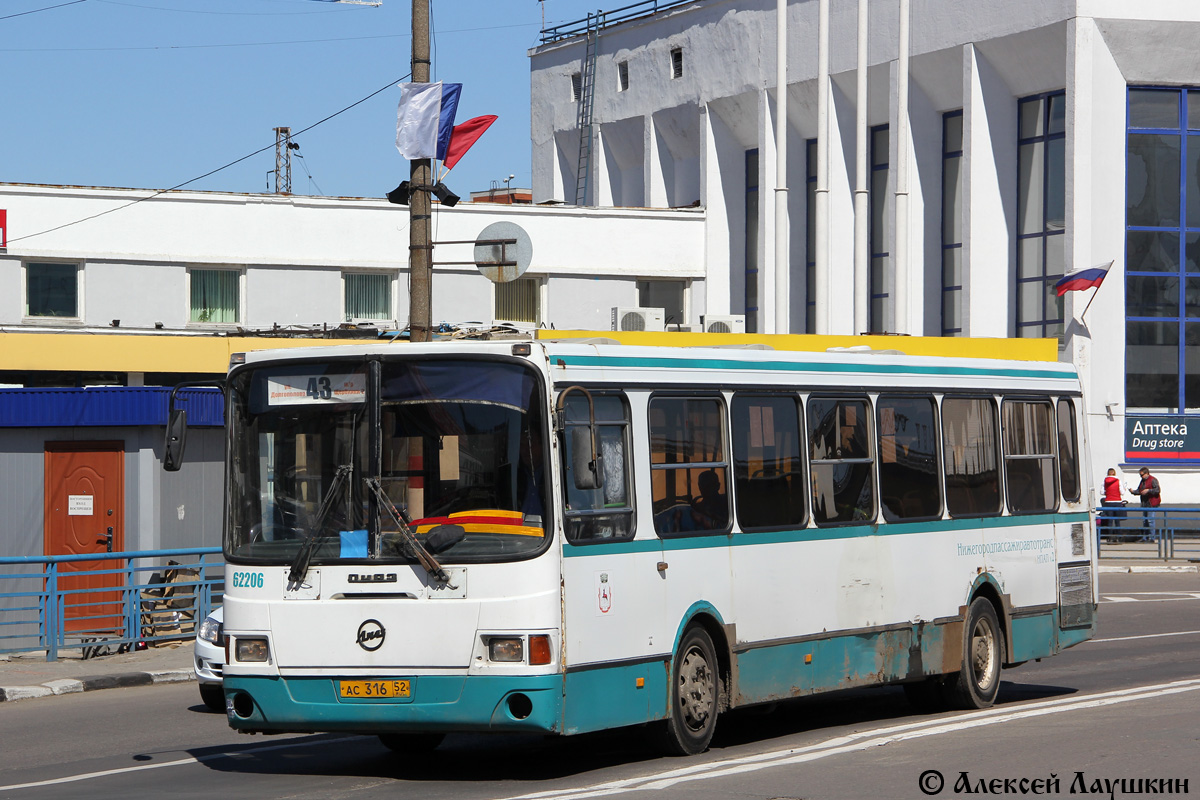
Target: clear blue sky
column 152, row 93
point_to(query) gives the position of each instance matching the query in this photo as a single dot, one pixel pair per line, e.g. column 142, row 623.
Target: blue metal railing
column 603, row 19
column 147, row 596
column 1165, row 532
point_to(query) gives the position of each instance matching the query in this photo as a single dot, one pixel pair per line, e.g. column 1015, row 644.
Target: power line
column 236, row 44
column 271, row 146
column 47, row 8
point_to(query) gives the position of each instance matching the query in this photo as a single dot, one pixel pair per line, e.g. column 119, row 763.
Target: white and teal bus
column 568, row 536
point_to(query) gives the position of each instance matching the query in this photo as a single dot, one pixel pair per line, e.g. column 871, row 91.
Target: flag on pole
column 425, row 118
column 1090, row 277
column 463, row 136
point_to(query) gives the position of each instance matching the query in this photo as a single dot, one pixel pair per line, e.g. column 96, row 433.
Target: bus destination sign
column 301, row 390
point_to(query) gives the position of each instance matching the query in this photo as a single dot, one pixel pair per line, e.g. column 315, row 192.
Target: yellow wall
column 115, row 352
column 1015, row 349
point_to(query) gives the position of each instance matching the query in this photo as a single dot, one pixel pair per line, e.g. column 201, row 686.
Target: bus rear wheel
column 975, row 686
column 412, row 743
column 695, row 695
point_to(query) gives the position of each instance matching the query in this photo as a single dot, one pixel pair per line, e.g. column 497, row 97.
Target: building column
column 989, row 198
column 1095, row 213
column 713, row 198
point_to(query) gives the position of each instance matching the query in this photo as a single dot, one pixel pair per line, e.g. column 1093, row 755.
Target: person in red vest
column 1150, row 494
column 1112, row 498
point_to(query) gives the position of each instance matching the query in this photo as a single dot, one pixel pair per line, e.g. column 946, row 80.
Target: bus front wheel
column 695, row 695
column 976, row 684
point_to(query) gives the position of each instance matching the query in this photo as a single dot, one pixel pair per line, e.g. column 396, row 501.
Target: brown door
column 85, row 489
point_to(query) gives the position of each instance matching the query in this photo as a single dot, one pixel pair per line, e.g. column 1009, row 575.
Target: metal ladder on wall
column 583, row 115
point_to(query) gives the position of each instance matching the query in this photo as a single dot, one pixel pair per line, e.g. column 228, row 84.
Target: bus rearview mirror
column 176, row 439
column 585, row 464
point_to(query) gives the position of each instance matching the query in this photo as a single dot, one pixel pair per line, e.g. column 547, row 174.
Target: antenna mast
column 283, row 160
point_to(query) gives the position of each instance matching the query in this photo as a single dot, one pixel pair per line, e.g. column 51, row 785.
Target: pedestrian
column 1150, row 494
column 1112, row 498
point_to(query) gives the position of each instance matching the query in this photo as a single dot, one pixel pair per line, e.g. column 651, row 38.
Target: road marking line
column 836, row 746
column 1143, row 636
column 1107, row 598
column 180, row 762
column 862, row 741
column 1160, row 594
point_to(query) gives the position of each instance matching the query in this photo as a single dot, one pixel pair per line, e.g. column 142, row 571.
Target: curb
column 93, row 683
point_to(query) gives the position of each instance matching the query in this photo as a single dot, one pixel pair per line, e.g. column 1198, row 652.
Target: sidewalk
column 28, row 675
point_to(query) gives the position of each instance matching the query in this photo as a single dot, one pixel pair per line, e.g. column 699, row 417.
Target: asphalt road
column 1123, row 706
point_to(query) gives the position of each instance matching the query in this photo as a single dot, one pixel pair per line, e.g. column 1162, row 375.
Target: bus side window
column 688, row 471
column 1029, row 466
column 841, row 465
column 970, row 455
column 908, row 465
column 1068, row 452
column 768, row 471
column 605, row 513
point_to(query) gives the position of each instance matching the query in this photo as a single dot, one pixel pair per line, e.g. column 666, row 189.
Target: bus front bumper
column 437, row 703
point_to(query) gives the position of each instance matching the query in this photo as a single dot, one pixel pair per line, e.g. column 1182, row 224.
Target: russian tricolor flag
column 1080, row 279
column 425, row 119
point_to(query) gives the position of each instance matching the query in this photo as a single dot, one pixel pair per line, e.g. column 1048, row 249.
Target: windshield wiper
column 423, row 556
column 304, row 556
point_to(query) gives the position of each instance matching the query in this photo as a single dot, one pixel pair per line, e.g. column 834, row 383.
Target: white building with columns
column 1043, row 136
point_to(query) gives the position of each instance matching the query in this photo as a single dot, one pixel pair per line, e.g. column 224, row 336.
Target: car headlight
column 210, row 630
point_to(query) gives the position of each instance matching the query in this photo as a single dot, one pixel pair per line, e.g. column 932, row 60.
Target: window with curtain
column 214, row 295
column 367, row 296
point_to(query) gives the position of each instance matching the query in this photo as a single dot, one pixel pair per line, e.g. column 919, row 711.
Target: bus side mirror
column 585, row 463
column 176, row 439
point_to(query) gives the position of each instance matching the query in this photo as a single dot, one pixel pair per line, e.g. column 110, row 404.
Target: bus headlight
column 506, row 649
column 251, row 649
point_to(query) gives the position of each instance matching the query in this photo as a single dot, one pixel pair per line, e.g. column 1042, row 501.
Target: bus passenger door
column 612, row 590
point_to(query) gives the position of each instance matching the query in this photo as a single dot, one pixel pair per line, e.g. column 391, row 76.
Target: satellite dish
column 503, row 251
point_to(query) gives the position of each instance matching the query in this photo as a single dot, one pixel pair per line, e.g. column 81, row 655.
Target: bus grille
column 1075, row 607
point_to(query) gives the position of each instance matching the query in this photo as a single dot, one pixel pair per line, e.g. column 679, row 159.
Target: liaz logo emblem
column 370, row 635
column 377, row 577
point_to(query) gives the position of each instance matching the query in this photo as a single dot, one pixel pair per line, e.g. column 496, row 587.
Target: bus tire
column 411, row 743
column 975, row 686
column 694, row 697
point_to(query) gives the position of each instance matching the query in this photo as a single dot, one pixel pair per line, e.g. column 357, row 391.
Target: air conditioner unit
column 723, row 323
column 637, row 319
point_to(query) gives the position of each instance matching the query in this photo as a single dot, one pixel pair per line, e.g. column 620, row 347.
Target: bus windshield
column 449, row 442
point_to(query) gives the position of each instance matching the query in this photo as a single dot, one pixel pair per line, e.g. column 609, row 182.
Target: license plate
column 374, row 689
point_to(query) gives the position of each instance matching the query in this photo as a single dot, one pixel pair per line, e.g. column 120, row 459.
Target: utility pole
column 420, row 249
